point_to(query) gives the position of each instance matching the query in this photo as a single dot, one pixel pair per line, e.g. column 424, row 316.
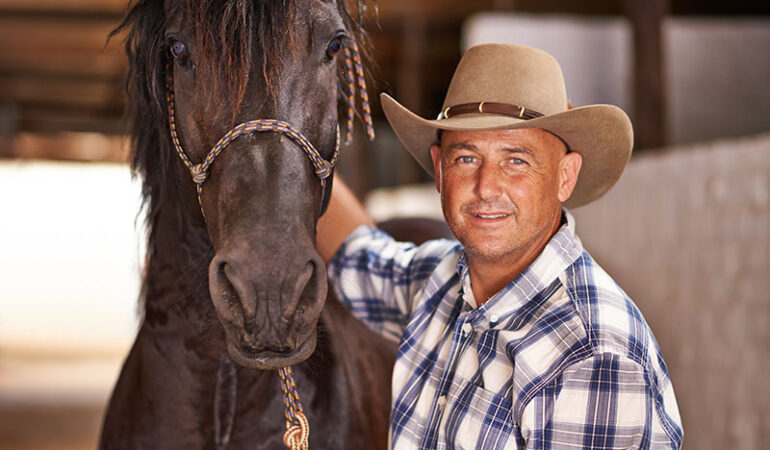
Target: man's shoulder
column 588, row 315
column 612, row 321
column 602, row 338
column 594, row 321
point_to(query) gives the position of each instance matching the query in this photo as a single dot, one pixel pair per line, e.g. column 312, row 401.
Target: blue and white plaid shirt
column 560, row 358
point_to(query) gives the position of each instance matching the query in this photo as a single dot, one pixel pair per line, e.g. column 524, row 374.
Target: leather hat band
column 519, row 112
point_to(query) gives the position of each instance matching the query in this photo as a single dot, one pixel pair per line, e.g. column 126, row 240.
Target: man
column 514, row 337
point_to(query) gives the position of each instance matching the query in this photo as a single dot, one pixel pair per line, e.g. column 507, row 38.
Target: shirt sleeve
column 378, row 277
column 603, row 402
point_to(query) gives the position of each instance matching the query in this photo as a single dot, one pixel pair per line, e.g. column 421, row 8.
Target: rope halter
column 322, row 168
column 297, row 426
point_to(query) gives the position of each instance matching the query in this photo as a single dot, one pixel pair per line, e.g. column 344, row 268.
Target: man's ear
column 435, row 154
column 569, row 169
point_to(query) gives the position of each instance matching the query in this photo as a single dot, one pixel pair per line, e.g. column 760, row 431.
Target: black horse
column 237, row 277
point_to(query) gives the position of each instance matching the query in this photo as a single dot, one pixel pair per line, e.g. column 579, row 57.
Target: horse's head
column 230, row 62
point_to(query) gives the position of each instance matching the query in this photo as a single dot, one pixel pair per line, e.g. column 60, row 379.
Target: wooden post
column 9, row 125
column 649, row 87
column 410, row 82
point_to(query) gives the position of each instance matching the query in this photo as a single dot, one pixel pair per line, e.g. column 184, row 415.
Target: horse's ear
column 326, row 194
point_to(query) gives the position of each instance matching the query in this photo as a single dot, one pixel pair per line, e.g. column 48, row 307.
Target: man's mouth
column 491, row 216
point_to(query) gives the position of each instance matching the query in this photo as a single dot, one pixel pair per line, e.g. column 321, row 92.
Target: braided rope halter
column 297, row 427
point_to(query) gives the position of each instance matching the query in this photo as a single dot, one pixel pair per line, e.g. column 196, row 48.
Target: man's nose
column 488, row 183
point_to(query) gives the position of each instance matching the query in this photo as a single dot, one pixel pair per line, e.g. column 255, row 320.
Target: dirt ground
column 49, row 403
column 45, row 427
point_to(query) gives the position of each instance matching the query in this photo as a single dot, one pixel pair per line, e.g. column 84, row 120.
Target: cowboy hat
column 507, row 86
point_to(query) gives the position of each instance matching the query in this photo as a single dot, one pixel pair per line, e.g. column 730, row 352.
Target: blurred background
column 686, row 231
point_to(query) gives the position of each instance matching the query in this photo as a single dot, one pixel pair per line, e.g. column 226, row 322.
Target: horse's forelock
column 228, row 37
column 232, row 36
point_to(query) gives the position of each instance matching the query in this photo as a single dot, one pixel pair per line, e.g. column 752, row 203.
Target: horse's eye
column 334, row 47
column 179, row 50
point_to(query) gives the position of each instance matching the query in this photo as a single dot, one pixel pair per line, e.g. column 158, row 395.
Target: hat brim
column 602, row 134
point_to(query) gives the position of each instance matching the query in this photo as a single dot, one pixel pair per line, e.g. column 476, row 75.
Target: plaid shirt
column 560, row 358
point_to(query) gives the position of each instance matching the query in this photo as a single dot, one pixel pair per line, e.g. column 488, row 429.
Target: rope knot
column 323, row 169
column 296, row 436
column 199, row 173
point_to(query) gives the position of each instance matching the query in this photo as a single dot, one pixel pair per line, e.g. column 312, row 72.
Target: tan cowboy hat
column 506, row 86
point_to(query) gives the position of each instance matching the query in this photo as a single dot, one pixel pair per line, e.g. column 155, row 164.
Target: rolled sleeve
column 378, row 277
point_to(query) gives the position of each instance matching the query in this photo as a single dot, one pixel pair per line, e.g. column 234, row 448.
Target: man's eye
column 465, row 159
column 517, row 161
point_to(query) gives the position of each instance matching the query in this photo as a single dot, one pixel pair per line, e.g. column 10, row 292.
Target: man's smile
column 490, row 216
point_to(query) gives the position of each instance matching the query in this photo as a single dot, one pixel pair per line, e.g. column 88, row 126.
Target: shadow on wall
column 686, row 233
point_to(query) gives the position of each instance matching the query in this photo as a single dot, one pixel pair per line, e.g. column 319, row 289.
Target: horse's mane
column 229, row 36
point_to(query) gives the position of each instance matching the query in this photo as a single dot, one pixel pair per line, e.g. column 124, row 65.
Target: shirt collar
column 560, row 252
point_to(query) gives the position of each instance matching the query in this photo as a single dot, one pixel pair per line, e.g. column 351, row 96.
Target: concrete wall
column 687, row 234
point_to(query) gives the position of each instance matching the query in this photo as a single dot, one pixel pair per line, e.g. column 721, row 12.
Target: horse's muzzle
column 269, row 308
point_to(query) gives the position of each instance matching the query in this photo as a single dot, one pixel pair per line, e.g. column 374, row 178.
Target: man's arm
column 344, row 214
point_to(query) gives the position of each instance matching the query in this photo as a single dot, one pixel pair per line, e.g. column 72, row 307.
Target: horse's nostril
column 310, row 289
column 232, row 296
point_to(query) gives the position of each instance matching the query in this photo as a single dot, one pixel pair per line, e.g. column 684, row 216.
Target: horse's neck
column 175, row 285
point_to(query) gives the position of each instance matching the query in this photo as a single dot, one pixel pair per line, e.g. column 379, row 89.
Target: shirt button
column 493, row 319
column 467, row 328
column 442, row 400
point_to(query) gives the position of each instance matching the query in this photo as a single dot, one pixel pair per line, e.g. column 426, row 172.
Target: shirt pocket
column 479, row 419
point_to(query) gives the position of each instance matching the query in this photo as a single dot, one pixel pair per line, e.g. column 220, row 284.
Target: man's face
column 501, row 191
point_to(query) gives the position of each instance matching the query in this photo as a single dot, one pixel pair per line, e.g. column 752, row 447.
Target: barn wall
column 687, row 234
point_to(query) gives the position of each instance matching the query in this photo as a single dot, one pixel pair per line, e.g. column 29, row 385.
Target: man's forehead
column 535, row 138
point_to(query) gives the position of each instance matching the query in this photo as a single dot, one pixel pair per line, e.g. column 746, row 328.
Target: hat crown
column 508, row 73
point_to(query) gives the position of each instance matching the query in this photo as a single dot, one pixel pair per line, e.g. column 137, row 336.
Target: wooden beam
column 649, row 89
column 53, row 119
column 85, row 6
column 79, row 92
column 60, row 46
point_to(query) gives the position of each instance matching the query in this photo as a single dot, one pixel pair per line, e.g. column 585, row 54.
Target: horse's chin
column 268, row 360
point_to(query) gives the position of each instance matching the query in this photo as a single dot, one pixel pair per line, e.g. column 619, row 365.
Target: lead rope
column 297, row 427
